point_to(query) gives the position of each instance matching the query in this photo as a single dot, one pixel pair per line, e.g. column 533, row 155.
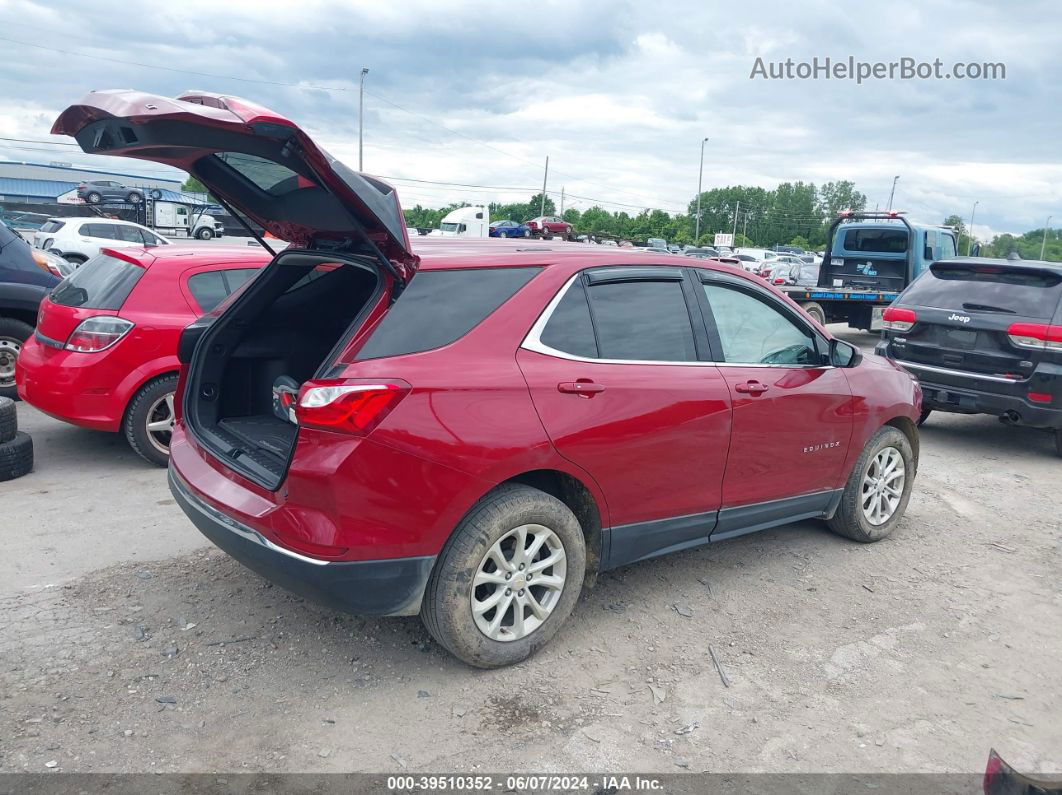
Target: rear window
column 440, row 307
column 985, row 288
column 101, row 283
column 52, row 226
column 880, row 241
column 266, row 174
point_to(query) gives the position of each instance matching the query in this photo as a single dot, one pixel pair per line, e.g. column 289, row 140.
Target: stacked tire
column 16, row 447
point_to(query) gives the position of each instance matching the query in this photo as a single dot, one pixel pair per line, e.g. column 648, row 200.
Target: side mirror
column 844, row 354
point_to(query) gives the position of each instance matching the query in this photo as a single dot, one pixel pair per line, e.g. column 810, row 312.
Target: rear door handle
column 586, row 388
column 751, row 388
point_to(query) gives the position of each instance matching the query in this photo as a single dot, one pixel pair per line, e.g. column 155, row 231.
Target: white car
column 760, row 254
column 79, row 239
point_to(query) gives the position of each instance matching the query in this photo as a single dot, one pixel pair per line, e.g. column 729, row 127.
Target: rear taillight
column 1036, row 335
column 98, row 334
column 348, row 405
column 898, row 319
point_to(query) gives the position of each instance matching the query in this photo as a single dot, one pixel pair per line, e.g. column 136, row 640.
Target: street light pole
column 969, row 232
column 1043, row 243
column 893, row 191
column 737, row 209
column 361, row 117
column 700, row 178
column 545, row 176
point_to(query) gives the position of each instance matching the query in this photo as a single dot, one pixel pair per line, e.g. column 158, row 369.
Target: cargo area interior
column 289, row 323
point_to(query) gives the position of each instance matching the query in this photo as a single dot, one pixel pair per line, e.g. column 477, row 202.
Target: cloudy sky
column 618, row 94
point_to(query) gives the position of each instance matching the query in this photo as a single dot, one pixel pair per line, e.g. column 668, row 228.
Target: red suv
column 104, row 355
column 474, row 431
column 550, row 226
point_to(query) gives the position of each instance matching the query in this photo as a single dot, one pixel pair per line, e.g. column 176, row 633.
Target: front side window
column 752, row 331
column 129, row 234
column 947, row 246
column 642, row 321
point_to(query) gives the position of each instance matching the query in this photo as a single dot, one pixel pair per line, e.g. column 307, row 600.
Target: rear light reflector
column 348, row 405
column 898, row 319
column 98, row 334
column 1039, row 397
column 1035, row 335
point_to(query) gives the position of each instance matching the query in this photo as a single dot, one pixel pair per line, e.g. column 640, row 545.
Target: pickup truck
column 870, row 257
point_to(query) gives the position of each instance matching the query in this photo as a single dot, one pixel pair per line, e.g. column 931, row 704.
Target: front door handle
column 751, row 388
column 583, row 387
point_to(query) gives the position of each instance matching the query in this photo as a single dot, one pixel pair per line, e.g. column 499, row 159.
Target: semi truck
column 176, row 219
column 870, row 257
column 464, row 222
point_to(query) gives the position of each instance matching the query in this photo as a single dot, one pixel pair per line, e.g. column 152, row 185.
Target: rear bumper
column 391, row 587
column 977, row 393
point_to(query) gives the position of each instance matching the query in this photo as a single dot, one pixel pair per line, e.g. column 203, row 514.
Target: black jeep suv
column 983, row 336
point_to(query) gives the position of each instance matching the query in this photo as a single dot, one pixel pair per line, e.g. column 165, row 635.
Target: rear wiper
column 986, row 308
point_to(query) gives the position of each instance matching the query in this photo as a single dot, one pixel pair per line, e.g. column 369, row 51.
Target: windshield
column 101, row 283
column 985, row 288
column 880, row 241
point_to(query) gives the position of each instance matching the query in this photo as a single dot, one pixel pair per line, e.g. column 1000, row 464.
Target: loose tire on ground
column 8, row 419
column 447, row 609
column 851, row 519
column 16, row 456
column 13, row 333
column 816, row 311
column 150, row 407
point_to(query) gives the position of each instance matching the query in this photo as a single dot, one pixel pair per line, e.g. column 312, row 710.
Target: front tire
column 149, row 420
column 93, row 198
column 507, row 578
column 878, row 489
column 206, row 233
column 12, row 334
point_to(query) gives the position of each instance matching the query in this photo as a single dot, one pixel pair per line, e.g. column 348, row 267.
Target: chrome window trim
column 533, row 342
column 961, row 373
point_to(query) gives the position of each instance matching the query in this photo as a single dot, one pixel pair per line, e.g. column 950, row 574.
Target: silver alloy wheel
column 9, row 348
column 883, row 485
column 518, row 583
column 160, row 420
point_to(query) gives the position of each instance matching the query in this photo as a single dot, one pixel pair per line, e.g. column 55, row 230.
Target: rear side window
column 986, row 288
column 210, row 288
column 101, row 283
column 570, row 328
column 52, row 226
column 880, row 241
column 440, row 307
column 642, row 321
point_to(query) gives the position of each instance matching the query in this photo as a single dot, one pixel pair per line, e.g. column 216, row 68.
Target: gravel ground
column 128, row 644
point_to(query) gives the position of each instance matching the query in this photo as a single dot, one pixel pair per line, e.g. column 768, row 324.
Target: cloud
column 618, row 94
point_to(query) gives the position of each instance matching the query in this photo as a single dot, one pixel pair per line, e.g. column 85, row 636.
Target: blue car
column 509, row 229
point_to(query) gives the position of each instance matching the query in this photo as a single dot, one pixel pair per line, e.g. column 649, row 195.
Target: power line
column 32, row 141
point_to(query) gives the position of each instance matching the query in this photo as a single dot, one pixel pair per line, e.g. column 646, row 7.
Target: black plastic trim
column 392, row 587
column 762, row 515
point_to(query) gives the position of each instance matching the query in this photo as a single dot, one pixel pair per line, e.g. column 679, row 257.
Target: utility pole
column 361, row 118
column 1043, row 243
column 545, row 176
column 737, row 208
column 745, row 225
column 893, row 191
column 562, row 202
column 700, row 178
column 969, row 232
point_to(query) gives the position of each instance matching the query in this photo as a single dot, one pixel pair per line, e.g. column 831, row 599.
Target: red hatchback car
column 475, row 430
column 104, row 355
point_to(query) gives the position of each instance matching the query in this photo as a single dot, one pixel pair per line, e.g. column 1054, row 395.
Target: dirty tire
column 923, row 417
column 850, row 521
column 8, row 419
column 13, row 333
column 16, row 457
column 134, row 426
column 447, row 611
column 816, row 311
